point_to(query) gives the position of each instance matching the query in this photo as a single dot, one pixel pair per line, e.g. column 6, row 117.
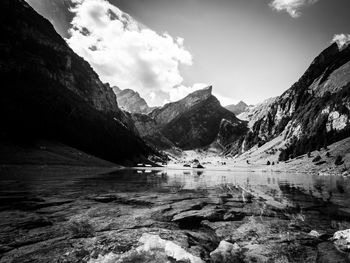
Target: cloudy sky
column 248, row 50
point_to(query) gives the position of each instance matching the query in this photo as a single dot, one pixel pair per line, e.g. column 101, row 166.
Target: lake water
column 17, row 187
column 76, row 214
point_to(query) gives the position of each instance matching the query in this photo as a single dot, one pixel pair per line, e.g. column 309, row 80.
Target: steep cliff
column 314, row 112
column 131, row 101
column 50, row 92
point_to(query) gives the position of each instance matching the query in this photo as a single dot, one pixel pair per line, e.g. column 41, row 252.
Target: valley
column 94, row 172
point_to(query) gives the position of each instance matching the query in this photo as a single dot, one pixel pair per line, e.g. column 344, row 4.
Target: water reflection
column 277, row 186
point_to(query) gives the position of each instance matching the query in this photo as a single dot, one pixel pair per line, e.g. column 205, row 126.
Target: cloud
column 341, row 39
column 292, row 7
column 126, row 53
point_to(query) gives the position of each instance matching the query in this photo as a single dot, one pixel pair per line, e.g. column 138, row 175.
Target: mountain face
column 194, row 121
column 238, row 108
column 314, row 112
column 131, row 101
column 50, row 92
column 149, row 131
column 253, row 113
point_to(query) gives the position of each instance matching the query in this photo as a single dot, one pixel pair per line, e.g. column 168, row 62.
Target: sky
column 247, row 50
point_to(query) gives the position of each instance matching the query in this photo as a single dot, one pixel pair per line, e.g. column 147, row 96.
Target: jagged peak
column 201, row 93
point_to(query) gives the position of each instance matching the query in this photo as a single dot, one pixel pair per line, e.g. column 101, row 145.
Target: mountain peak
column 237, row 108
column 201, row 94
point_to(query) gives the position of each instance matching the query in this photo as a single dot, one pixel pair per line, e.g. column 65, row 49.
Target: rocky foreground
column 90, row 222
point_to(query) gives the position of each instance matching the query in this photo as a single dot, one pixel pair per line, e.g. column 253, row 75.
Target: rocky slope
column 194, row 121
column 149, row 131
column 237, row 108
column 131, row 101
column 253, row 113
column 313, row 113
column 50, row 92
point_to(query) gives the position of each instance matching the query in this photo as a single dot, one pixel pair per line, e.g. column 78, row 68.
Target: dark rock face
column 50, row 92
column 315, row 111
column 237, row 108
column 149, row 131
column 194, row 121
column 131, row 101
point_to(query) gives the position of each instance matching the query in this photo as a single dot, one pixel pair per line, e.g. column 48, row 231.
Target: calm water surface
column 16, row 188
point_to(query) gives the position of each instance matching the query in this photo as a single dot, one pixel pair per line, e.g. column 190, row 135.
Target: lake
column 77, row 214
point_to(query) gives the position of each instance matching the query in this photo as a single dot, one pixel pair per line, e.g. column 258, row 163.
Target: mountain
column 194, row 121
column 311, row 114
column 254, row 112
column 148, row 130
column 49, row 92
column 237, row 108
column 131, row 101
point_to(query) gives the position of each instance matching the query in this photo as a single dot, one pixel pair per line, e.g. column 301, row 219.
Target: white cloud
column 291, row 6
column 341, row 39
column 127, row 54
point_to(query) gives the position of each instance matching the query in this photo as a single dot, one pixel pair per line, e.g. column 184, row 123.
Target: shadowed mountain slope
column 50, row 92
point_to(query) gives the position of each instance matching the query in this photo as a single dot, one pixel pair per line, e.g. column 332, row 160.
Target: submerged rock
column 152, row 249
column 342, row 240
column 225, row 253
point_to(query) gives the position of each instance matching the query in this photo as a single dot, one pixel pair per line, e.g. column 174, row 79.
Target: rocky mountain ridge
column 131, row 101
column 313, row 113
column 192, row 122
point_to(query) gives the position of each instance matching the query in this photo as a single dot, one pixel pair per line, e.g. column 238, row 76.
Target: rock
column 326, row 252
column 151, row 248
column 194, row 217
column 314, row 233
column 346, row 173
column 198, row 166
column 342, row 240
column 225, row 253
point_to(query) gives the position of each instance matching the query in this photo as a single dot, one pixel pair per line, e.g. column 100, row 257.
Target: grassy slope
column 48, row 153
column 303, row 163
